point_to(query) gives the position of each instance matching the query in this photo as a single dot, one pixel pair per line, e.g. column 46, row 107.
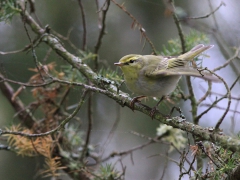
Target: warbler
column 158, row 76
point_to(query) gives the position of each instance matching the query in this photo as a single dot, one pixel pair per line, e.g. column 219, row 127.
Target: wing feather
column 183, row 71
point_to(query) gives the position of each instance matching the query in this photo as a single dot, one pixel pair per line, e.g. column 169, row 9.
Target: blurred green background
column 120, row 39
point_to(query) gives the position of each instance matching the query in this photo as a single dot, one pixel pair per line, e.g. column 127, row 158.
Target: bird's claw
column 134, row 100
column 132, row 103
column 152, row 112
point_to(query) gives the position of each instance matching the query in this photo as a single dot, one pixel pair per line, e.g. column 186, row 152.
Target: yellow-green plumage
column 157, row 76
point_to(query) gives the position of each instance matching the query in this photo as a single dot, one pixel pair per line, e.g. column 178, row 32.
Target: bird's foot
column 179, row 110
column 134, row 100
column 152, row 112
column 154, row 109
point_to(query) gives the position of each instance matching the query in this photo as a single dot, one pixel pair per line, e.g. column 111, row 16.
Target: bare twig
column 136, row 23
column 84, row 26
column 114, row 127
column 38, row 64
column 233, row 124
column 190, row 168
column 221, row 108
column 18, row 105
column 213, row 14
column 219, row 94
column 165, row 167
column 228, row 95
column 206, row 94
column 16, row 51
column 209, row 14
column 170, row 159
column 228, row 61
column 89, row 129
column 129, row 151
column 102, row 32
column 179, row 28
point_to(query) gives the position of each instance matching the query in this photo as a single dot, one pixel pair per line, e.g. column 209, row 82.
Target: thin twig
column 170, row 159
column 140, row 27
column 190, row 168
column 89, row 129
column 179, row 28
column 228, row 61
column 192, row 99
column 129, row 151
column 102, row 32
column 32, row 47
column 84, row 26
column 206, row 94
column 114, row 127
column 234, row 117
column 99, row 15
column 158, row 140
column 67, row 38
column 228, row 95
column 165, row 166
column 213, row 14
column 221, row 108
column 235, row 82
column 207, row 15
column 219, row 94
column 16, row 51
column 4, row 79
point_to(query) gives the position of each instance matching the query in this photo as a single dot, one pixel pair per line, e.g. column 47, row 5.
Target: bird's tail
column 198, row 49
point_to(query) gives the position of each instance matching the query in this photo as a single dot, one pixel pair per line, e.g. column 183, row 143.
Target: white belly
column 154, row 87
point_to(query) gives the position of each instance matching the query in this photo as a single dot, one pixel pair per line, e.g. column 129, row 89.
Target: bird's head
column 130, row 63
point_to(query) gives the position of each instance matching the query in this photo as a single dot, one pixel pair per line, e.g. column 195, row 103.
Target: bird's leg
column 179, row 110
column 155, row 107
column 134, row 100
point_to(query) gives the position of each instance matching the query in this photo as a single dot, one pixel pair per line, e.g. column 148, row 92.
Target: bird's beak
column 118, row 64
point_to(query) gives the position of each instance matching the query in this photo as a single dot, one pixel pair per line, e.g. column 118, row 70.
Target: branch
column 225, row 141
column 18, row 105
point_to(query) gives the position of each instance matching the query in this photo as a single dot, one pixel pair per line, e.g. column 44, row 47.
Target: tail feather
column 196, row 73
column 198, row 49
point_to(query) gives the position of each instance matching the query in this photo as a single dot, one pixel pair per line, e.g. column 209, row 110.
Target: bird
column 158, row 76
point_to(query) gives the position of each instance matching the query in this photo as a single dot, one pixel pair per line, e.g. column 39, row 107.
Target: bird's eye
column 131, row 61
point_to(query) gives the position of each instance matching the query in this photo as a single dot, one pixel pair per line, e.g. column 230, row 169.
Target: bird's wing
column 169, row 62
column 187, row 71
column 165, row 67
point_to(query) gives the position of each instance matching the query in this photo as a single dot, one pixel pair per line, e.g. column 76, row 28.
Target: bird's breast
column 156, row 87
